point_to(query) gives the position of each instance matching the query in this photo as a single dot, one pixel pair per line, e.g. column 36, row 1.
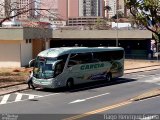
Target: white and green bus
column 68, row 66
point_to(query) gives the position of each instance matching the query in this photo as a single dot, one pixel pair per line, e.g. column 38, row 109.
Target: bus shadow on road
column 90, row 85
column 99, row 84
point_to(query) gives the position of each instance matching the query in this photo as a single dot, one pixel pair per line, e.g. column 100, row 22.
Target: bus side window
column 59, row 68
column 80, row 58
column 72, row 63
column 63, row 57
column 73, row 60
column 102, row 56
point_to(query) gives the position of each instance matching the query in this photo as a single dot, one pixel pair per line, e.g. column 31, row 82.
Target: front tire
column 69, row 84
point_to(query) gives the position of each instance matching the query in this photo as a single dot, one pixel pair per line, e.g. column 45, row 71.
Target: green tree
column 101, row 24
column 119, row 14
column 146, row 13
column 107, row 8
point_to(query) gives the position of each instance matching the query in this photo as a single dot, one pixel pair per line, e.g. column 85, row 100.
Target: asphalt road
column 148, row 106
column 98, row 98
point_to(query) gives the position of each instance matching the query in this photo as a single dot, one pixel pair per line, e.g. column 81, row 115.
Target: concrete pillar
column 47, row 43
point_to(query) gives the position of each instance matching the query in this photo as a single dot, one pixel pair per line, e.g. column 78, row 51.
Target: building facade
column 121, row 7
column 26, row 5
column 2, row 10
column 83, row 21
column 73, row 10
column 80, row 8
column 113, row 5
column 116, row 6
column 51, row 5
column 90, row 7
column 63, row 9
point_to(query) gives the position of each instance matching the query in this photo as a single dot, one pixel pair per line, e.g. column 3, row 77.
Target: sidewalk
column 14, row 88
column 131, row 68
column 128, row 71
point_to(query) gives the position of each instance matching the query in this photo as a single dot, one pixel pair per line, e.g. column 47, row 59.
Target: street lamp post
column 157, row 50
column 117, row 33
column 117, row 29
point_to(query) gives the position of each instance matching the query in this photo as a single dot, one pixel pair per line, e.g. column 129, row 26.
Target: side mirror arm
column 31, row 62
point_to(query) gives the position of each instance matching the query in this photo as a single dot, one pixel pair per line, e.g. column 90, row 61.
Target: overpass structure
column 124, row 38
column 137, row 43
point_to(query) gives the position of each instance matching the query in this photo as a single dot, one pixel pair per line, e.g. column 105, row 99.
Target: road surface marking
column 5, row 98
column 27, row 94
column 18, row 97
column 98, row 110
column 31, row 96
column 81, row 100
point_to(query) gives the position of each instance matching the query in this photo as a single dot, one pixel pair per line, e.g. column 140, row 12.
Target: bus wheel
column 108, row 77
column 70, row 83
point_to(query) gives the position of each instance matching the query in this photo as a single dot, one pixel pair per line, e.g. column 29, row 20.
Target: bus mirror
column 31, row 63
column 53, row 67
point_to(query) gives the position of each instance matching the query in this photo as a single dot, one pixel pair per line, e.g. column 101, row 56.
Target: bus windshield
column 43, row 67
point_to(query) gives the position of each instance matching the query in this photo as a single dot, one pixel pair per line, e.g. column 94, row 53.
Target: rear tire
column 108, row 77
column 69, row 84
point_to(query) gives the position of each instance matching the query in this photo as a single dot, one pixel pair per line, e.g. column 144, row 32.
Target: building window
column 26, row 40
column 30, row 40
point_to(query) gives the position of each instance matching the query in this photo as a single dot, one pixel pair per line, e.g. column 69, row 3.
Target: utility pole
column 117, row 8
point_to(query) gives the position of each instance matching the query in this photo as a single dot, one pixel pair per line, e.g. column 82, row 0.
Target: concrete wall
column 11, row 33
column 36, row 33
column 10, row 53
column 26, row 52
column 15, row 48
column 20, row 33
column 37, row 46
column 101, row 34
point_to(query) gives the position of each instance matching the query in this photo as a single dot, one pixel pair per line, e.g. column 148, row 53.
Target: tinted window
column 108, row 55
column 101, row 56
column 80, row 58
column 63, row 57
column 117, row 55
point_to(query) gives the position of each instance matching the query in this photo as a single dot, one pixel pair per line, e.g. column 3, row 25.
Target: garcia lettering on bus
column 91, row 66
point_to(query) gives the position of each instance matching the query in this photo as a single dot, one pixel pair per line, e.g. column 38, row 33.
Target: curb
column 5, row 86
column 139, row 71
column 147, row 95
column 142, row 67
column 13, row 88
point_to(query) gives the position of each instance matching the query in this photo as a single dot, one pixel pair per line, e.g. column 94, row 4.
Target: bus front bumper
column 45, row 83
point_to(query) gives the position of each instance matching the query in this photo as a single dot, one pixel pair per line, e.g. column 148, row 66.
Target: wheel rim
column 69, row 84
column 108, row 77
